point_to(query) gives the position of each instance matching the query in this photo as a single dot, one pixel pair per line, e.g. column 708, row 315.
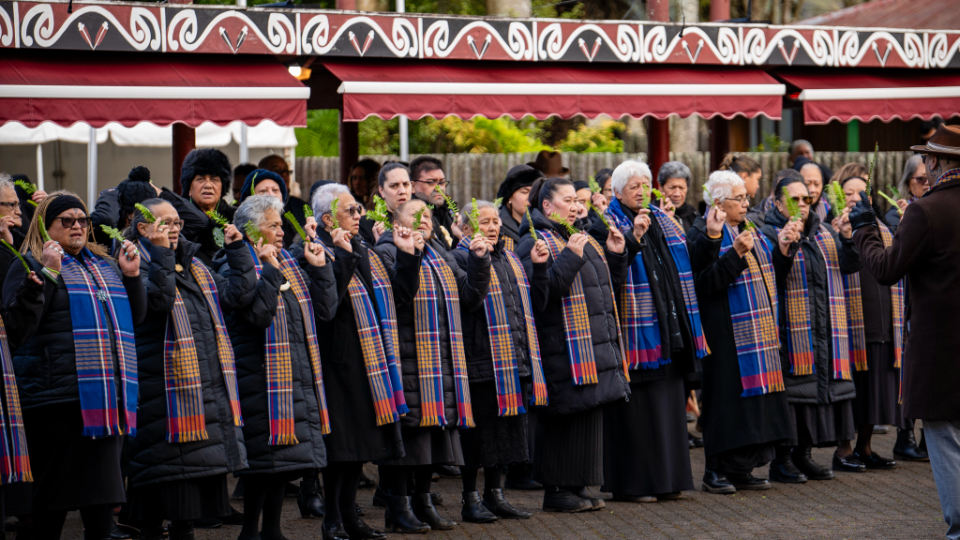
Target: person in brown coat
column 926, row 249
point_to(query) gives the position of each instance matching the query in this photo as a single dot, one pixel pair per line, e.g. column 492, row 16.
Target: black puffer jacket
column 40, row 330
column 152, row 458
column 198, row 228
column 248, row 325
column 820, row 387
column 565, row 398
column 108, row 209
column 472, row 289
column 476, row 333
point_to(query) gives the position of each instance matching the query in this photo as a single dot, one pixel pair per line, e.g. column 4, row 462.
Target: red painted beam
column 184, row 140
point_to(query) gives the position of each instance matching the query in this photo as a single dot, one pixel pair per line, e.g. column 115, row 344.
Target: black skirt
column 497, row 440
column 822, row 425
column 429, row 446
column 877, row 388
column 646, row 449
column 69, row 470
column 181, row 500
column 569, row 449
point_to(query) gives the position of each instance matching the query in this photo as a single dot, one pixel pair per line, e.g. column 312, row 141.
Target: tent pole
column 40, row 167
column 92, row 168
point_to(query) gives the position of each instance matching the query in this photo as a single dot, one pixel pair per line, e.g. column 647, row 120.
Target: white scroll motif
column 281, row 37
column 143, row 24
column 6, row 28
column 551, row 44
column 316, row 38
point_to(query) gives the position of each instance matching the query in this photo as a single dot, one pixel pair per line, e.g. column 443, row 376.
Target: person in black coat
column 11, row 221
column 501, row 436
column 205, row 179
column 635, row 470
column 395, row 188
column 430, row 437
column 741, row 425
column 357, row 434
column 674, row 180
column 174, row 475
column 569, row 436
column 30, row 196
column 427, row 176
column 264, row 182
column 513, row 193
column 277, row 164
column 72, row 470
column 821, row 402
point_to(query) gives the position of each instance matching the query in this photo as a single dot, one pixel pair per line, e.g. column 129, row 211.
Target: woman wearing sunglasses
column 76, row 364
column 814, row 347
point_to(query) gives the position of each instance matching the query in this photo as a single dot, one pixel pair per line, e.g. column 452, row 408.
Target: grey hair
column 795, row 146
column 627, row 170
column 909, row 171
column 6, row 182
column 465, row 213
column 324, row 197
column 720, row 186
column 673, row 169
column 253, row 209
column 814, row 165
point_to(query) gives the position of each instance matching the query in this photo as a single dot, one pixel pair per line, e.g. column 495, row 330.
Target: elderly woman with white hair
column 745, row 410
column 663, row 340
column 361, row 372
column 279, row 375
column 674, row 178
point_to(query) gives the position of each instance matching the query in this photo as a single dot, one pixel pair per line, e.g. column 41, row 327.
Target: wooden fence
column 479, row 175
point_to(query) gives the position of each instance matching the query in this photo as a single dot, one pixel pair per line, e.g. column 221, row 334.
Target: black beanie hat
column 580, row 184
column 135, row 189
column 519, row 176
column 60, row 204
column 205, row 161
column 317, row 185
column 257, row 176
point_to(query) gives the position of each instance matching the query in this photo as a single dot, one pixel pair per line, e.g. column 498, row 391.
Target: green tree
column 602, row 138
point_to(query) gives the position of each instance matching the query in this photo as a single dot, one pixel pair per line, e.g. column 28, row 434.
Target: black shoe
column 181, row 530
column 238, row 490
column 694, row 441
column 399, row 517
column 366, row 481
column 473, row 510
column 848, row 463
column 309, row 499
column 803, row 459
column 714, row 482
column 361, row 511
column 333, row 531
column 148, row 533
column 906, row 448
column 784, row 471
column 379, row 498
column 595, row 501
column 206, row 523
column 426, row 512
column 564, row 500
column 361, row 531
column 748, row 482
column 874, row 461
column 123, row 532
column 623, row 497
column 447, row 471
column 495, row 502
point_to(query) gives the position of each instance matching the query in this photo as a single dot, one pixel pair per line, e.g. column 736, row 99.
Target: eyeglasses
column 354, row 210
column 68, row 222
column 739, row 200
column 282, row 172
column 432, row 183
column 178, row 224
column 808, row 200
column 10, row 204
column 921, row 179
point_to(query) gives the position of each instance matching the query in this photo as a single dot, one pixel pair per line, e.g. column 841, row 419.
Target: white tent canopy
column 145, row 134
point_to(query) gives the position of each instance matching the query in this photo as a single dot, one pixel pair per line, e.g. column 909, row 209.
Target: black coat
column 476, row 333
column 248, row 325
column 892, row 219
column 7, row 257
column 40, row 331
column 565, row 398
column 925, row 250
column 730, row 420
column 820, row 387
column 294, row 205
column 152, row 458
column 471, row 288
column 443, row 218
column 198, row 228
column 355, row 435
column 107, row 212
column 509, row 227
column 687, row 214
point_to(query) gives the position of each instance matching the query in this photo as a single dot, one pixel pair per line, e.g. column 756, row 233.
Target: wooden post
column 658, row 131
column 349, row 147
column 184, row 140
column 719, row 10
column 719, row 128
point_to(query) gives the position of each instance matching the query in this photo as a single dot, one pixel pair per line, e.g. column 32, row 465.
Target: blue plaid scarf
column 14, row 459
column 98, row 302
column 387, row 310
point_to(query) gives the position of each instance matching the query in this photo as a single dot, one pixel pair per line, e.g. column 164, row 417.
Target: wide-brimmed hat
column 549, row 163
column 945, row 142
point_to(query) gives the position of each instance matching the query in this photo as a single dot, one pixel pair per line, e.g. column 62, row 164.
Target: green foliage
column 559, row 219
column 43, row 230
column 380, row 213
column 771, row 143
column 452, row 135
column 602, row 138
column 113, row 233
column 644, row 196
column 217, row 218
column 892, row 202
column 145, row 212
column 657, row 193
column 873, row 164
column 498, row 202
column 594, row 186
column 321, row 136
column 793, row 207
column 749, row 226
column 547, row 9
column 533, row 231
column 253, row 232
column 894, row 192
column 27, row 188
column 474, row 216
column 333, row 212
column 836, row 196
column 307, row 211
column 449, row 7
column 17, row 253
column 451, row 204
column 418, row 215
column 296, row 226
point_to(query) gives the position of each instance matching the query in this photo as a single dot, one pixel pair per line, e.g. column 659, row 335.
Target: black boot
column 556, row 499
column 784, row 471
column 181, row 530
column 495, row 502
column 906, row 447
column 365, row 481
column 379, row 498
column 447, row 471
column 333, row 531
column 309, row 499
column 426, row 512
column 595, row 501
column 473, row 510
column 803, row 459
column 717, row 483
column 748, row 482
column 399, row 516
column 361, row 531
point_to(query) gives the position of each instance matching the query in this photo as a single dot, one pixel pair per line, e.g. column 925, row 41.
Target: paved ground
column 894, row 504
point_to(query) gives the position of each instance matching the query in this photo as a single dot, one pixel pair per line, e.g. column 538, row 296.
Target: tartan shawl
column 14, row 458
column 639, row 322
column 856, row 329
column 677, row 243
column 822, row 208
column 799, row 339
column 896, row 299
column 277, row 359
column 429, row 359
column 99, row 301
column 753, row 313
column 502, row 351
column 387, row 309
column 508, row 243
column 372, row 345
column 952, row 174
column 186, row 421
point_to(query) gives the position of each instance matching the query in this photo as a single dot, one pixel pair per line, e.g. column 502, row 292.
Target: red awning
column 866, row 95
column 97, row 88
column 468, row 89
